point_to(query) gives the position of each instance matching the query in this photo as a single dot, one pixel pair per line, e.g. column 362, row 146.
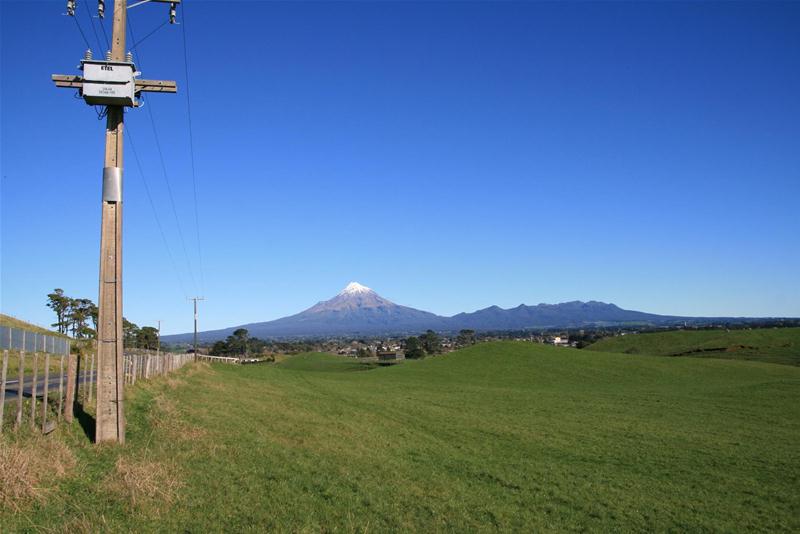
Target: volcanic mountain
column 358, row 310
column 355, row 310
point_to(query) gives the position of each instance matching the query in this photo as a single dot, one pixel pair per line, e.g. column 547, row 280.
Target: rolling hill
column 497, row 437
column 776, row 345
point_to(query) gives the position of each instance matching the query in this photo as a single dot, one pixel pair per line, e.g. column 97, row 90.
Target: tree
column 431, row 342
column 466, row 337
column 255, row 345
column 59, row 303
column 237, row 342
column 130, row 332
column 77, row 317
column 220, row 348
column 147, row 338
column 414, row 349
column 94, row 313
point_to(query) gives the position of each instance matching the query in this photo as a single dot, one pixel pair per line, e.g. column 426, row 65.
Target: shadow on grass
column 86, row 420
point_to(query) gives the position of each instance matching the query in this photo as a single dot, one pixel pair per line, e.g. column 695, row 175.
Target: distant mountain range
column 358, row 310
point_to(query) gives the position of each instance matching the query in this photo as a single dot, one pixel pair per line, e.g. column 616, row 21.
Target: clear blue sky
column 449, row 155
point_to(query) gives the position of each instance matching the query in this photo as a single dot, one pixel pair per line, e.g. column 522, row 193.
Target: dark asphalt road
column 12, row 386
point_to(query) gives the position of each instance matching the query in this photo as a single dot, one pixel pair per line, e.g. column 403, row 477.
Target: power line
column 191, row 150
column 166, row 177
column 155, row 212
column 143, row 39
column 105, row 35
column 94, row 30
column 85, row 40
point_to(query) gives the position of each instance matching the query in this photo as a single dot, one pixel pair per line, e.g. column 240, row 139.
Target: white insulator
column 88, row 54
column 129, row 57
column 108, row 55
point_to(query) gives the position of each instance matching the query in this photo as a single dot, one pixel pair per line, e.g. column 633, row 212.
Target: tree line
column 238, row 344
column 75, row 315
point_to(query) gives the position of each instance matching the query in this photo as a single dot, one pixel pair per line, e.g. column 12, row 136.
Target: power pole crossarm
column 141, row 86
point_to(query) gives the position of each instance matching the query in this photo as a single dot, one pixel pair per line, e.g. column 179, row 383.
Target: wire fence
column 40, row 389
column 26, row 340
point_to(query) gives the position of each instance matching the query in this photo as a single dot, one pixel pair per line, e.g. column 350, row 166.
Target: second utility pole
column 195, row 299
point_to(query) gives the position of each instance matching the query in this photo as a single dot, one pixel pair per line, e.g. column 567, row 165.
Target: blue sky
column 450, row 155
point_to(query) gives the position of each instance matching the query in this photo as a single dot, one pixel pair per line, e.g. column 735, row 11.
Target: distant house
column 561, row 341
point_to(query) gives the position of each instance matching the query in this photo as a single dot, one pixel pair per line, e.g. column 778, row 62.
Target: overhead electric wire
column 166, row 178
column 191, row 149
column 105, row 35
column 155, row 212
column 143, row 39
column 85, row 40
column 94, row 30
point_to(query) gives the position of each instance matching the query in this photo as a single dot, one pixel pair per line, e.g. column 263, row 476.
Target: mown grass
column 775, row 345
column 324, row 363
column 502, row 436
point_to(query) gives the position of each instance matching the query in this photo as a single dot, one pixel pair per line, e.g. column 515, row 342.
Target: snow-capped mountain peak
column 354, row 288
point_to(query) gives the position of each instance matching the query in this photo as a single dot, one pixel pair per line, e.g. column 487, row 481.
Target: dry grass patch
column 26, row 469
column 173, row 382
column 168, row 420
column 148, row 486
column 83, row 523
column 199, row 368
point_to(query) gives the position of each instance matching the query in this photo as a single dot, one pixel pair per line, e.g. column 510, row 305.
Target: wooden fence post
column 92, row 380
column 82, row 383
column 46, row 389
column 72, row 368
column 3, row 388
column 33, row 388
column 61, row 388
column 20, row 389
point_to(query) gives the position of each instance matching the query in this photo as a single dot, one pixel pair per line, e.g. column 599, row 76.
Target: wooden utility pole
column 195, row 299
column 110, row 424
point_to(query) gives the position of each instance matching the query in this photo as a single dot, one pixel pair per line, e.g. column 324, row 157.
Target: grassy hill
column 501, row 436
column 776, row 345
column 7, row 320
column 324, row 363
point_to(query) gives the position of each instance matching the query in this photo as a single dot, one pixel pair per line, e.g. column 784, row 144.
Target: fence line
column 221, row 359
column 20, row 339
column 60, row 388
column 142, row 364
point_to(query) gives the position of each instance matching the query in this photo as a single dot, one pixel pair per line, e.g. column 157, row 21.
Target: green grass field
column 502, row 436
column 775, row 345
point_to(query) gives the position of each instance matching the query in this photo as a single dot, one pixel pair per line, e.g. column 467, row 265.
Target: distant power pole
column 195, row 299
column 112, row 83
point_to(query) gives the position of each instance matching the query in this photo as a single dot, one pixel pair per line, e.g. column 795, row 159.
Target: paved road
column 12, row 386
